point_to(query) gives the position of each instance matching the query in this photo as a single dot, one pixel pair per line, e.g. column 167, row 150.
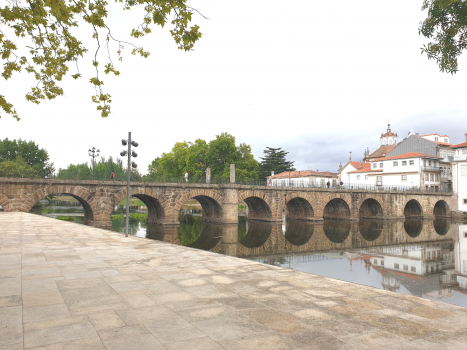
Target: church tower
column 389, row 138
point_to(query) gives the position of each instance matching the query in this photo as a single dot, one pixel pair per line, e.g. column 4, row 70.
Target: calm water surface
column 416, row 257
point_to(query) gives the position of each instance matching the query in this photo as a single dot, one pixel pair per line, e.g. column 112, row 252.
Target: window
column 379, row 180
column 413, row 269
column 465, row 201
column 404, row 178
column 436, row 177
column 375, row 261
column 465, row 234
column 411, row 162
column 404, row 162
column 464, row 151
column 427, row 177
column 396, row 266
column 395, row 163
column 428, row 255
column 436, row 138
column 375, row 165
column 358, row 177
column 406, row 268
column 366, row 177
column 446, row 140
column 380, row 165
column 382, row 261
column 432, row 177
column 384, row 142
column 429, row 163
column 390, row 142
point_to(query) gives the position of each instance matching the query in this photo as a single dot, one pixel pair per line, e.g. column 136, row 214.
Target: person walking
column 112, row 176
column 186, row 176
column 328, row 184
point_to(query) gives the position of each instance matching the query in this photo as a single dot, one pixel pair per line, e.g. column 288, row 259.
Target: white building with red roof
column 459, row 174
column 409, row 170
column 303, row 178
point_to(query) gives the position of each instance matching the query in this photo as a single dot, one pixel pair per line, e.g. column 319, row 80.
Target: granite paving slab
column 70, row 286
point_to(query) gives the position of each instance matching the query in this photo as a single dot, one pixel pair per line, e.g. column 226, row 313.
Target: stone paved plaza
column 69, row 286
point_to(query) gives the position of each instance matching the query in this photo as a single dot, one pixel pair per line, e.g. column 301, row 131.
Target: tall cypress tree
column 274, row 160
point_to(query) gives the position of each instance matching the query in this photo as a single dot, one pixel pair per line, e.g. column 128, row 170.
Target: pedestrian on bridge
column 112, row 176
column 186, row 176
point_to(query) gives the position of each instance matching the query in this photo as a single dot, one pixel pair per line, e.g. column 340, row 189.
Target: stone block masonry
column 69, row 286
column 220, row 202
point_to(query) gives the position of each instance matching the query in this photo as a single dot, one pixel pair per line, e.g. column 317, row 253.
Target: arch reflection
column 441, row 225
column 370, row 229
column 253, row 234
column 195, row 233
column 413, row 226
column 336, row 230
column 298, row 232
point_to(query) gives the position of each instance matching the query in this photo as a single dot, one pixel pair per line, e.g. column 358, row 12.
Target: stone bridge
column 220, row 202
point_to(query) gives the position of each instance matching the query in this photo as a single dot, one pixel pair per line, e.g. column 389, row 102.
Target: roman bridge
column 220, row 202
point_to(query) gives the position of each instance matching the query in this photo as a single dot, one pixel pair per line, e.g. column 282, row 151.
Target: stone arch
column 152, row 199
column 299, row 208
column 88, row 201
column 413, row 209
column 298, row 232
column 260, row 206
column 370, row 208
column 441, row 208
column 336, row 208
column 3, row 202
column 336, row 231
column 210, row 202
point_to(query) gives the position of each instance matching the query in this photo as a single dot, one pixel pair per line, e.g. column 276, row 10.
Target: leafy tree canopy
column 102, row 171
column 196, row 157
column 51, row 27
column 19, row 168
column 274, row 160
column 446, row 26
column 19, row 152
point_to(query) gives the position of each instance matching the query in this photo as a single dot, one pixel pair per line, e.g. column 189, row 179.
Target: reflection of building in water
column 424, row 269
column 461, row 258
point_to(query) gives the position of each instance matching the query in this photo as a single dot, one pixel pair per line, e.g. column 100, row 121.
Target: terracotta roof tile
column 382, row 150
column 443, row 143
column 301, row 173
column 404, row 156
column 434, row 134
column 464, row 144
column 364, row 165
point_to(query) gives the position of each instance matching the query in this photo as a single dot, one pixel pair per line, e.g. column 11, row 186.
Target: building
column 351, row 167
column 304, row 178
column 388, row 142
column 459, row 174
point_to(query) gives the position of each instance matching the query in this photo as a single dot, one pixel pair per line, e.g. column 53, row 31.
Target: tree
column 274, row 160
column 446, row 25
column 19, row 168
column 34, row 156
column 51, row 26
column 196, row 157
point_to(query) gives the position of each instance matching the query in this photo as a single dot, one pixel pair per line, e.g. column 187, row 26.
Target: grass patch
column 66, row 218
column 47, row 210
column 133, row 217
column 242, row 206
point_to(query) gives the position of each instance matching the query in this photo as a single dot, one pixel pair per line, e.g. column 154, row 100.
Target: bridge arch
column 299, row 208
column 413, row 209
column 152, row 200
column 370, row 208
column 441, row 208
column 336, row 208
column 260, row 206
column 209, row 200
column 87, row 200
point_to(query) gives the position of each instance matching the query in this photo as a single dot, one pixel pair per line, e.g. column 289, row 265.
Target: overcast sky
column 317, row 78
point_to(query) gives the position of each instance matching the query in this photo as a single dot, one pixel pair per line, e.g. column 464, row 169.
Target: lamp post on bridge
column 130, row 165
column 93, row 153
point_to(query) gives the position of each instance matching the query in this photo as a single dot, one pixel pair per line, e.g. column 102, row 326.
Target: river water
column 425, row 258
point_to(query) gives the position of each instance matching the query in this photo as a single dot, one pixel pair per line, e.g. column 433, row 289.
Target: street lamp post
column 93, row 153
column 130, row 165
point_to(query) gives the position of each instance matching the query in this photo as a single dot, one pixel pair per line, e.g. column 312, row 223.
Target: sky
column 316, row 78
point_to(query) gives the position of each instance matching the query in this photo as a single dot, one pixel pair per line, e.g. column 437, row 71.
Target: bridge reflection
column 255, row 238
